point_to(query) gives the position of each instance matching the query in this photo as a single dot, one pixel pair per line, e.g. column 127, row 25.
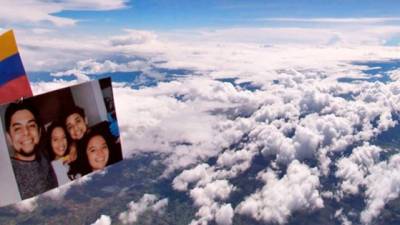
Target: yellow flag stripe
column 8, row 46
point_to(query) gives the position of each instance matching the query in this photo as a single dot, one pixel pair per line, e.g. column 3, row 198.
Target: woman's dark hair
column 81, row 166
column 49, row 148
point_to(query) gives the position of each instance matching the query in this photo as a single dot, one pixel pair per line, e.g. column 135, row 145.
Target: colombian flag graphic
column 14, row 83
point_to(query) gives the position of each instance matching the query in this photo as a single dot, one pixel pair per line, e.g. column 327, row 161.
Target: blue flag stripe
column 11, row 68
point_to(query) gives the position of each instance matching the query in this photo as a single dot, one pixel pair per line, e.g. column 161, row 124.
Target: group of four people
column 70, row 139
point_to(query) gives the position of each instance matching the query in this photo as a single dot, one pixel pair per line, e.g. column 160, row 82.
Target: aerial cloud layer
column 299, row 98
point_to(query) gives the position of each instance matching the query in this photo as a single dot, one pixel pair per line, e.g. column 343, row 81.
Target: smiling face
column 23, row 134
column 97, row 152
column 58, row 142
column 76, row 126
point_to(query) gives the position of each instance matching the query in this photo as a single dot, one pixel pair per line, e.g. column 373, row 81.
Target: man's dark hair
column 74, row 109
column 14, row 107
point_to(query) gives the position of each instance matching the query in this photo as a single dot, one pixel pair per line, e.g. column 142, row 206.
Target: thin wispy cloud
column 335, row 20
column 43, row 12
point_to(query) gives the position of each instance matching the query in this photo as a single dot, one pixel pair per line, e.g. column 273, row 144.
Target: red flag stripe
column 15, row 89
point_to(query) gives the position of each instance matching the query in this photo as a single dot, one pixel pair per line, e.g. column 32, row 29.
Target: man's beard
column 28, row 154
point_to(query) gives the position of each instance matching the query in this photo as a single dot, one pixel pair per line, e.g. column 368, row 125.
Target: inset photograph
column 56, row 137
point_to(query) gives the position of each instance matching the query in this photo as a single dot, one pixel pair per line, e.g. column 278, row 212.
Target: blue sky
column 106, row 17
column 180, row 14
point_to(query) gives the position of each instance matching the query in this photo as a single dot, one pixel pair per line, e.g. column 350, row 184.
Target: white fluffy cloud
column 208, row 190
column 206, row 197
column 279, row 198
column 148, row 202
column 342, row 218
column 133, row 37
column 380, row 180
column 200, row 172
column 37, row 11
column 395, row 74
column 224, row 215
column 93, row 67
column 382, row 185
column 353, row 169
column 207, row 194
column 103, row 220
column 94, row 5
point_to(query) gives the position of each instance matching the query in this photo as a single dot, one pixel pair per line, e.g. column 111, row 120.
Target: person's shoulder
column 14, row 162
column 22, row 165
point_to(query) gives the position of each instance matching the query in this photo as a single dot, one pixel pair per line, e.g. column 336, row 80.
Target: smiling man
column 32, row 171
column 76, row 123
